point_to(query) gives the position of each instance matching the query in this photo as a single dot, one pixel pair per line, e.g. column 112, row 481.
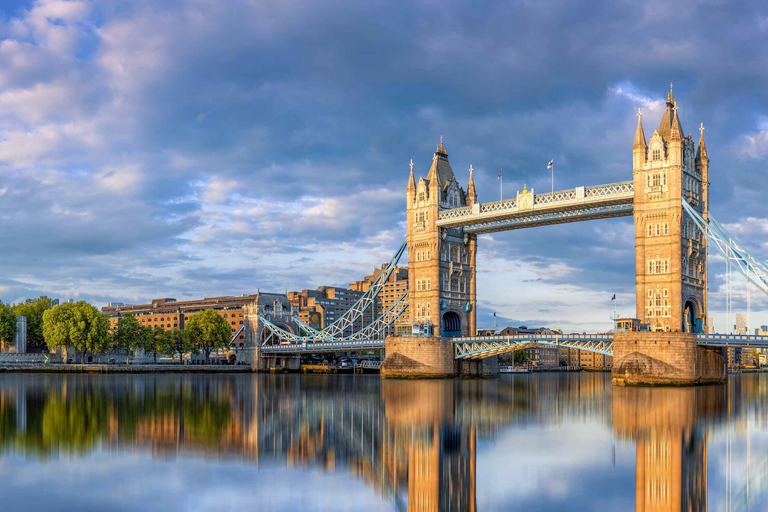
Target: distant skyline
column 187, row 149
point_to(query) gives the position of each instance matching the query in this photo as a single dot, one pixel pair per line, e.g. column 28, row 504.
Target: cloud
column 144, row 142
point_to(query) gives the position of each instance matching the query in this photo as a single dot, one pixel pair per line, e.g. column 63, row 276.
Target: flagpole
column 501, row 185
column 553, row 177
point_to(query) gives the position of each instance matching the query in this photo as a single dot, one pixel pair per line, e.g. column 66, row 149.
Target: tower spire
column 471, row 191
column 701, row 152
column 676, row 133
column 639, row 133
column 411, row 182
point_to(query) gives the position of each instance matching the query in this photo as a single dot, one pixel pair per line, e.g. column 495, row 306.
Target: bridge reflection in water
column 414, row 442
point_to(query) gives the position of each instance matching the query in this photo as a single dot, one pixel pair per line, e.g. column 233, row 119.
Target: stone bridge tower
column 441, row 276
column 670, row 253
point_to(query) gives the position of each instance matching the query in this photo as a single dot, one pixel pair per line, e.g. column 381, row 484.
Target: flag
column 499, row 173
column 494, row 314
column 614, row 297
column 551, row 164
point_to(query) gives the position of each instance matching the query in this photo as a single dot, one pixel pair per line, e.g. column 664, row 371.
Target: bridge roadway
column 529, row 209
column 480, row 347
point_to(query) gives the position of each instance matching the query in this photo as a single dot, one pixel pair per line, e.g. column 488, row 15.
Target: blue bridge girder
column 732, row 340
column 557, row 217
column 480, row 347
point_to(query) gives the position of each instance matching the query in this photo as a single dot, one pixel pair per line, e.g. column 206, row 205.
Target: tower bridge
column 668, row 198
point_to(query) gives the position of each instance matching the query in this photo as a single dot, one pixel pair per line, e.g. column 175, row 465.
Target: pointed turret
column 665, row 127
column 411, row 188
column 640, row 147
column 440, row 173
column 639, row 133
column 701, row 152
column 471, row 192
column 676, row 132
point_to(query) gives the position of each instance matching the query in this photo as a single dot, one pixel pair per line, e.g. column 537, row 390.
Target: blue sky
column 192, row 148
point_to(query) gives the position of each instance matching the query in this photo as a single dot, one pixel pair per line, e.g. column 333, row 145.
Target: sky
column 198, row 148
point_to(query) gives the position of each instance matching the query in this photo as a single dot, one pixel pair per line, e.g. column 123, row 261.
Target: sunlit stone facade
column 441, row 278
column 670, row 252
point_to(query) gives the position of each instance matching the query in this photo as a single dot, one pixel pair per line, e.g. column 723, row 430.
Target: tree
column 154, row 338
column 77, row 325
column 33, row 309
column 128, row 335
column 520, row 356
column 7, row 325
column 175, row 342
column 208, row 331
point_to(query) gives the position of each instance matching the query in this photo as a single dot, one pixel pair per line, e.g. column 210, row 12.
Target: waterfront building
column 169, row 313
column 393, row 289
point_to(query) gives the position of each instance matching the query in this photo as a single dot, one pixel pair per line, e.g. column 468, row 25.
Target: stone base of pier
column 413, row 357
column 665, row 359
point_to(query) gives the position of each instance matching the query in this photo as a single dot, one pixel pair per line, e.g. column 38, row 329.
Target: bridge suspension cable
column 735, row 254
column 343, row 329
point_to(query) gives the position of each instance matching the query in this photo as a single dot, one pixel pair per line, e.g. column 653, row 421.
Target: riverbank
column 121, row 368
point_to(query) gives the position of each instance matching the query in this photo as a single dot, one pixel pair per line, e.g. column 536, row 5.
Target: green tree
column 33, row 309
column 154, row 339
column 208, row 331
column 520, row 356
column 128, row 335
column 175, row 342
column 7, row 325
column 77, row 325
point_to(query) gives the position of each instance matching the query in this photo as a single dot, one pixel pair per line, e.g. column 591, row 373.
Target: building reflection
column 669, row 428
column 414, row 442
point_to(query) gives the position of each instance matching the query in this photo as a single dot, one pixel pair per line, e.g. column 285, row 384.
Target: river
column 539, row 442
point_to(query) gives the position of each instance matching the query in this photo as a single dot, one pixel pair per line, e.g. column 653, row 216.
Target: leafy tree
column 33, row 309
column 154, row 339
column 208, row 331
column 520, row 356
column 7, row 325
column 128, row 335
column 175, row 342
column 77, row 325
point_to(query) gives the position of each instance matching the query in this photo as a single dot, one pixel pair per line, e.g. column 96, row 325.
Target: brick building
column 169, row 313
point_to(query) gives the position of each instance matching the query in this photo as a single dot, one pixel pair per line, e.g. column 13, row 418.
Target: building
column 741, row 324
column 395, row 287
column 441, row 262
column 762, row 331
column 671, row 254
column 169, row 313
column 323, row 306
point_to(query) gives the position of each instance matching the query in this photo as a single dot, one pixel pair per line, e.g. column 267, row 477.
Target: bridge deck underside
column 574, row 205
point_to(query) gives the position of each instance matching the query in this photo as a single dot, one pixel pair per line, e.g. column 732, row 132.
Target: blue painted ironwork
column 556, row 217
column 754, row 269
column 480, row 347
column 732, row 340
column 339, row 331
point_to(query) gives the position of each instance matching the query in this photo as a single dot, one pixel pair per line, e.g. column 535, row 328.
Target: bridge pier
column 665, row 358
column 419, row 357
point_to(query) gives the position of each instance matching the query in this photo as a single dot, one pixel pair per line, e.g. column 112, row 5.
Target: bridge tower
column 441, row 276
column 670, row 253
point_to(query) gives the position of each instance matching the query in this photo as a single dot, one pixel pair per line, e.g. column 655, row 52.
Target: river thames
column 540, row 442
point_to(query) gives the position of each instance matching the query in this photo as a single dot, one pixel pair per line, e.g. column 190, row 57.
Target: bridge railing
column 623, row 190
column 732, row 340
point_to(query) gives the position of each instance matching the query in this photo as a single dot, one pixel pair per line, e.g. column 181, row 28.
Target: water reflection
column 414, row 442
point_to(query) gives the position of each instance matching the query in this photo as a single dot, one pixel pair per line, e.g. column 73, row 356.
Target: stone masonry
column 664, row 358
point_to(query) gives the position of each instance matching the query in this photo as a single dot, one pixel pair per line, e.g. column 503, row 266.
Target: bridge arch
column 691, row 312
column 451, row 324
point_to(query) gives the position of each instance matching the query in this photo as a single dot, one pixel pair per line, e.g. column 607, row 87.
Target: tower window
column 657, row 154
